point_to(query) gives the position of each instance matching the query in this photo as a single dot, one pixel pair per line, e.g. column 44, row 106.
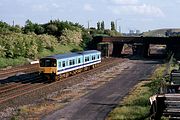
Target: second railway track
column 4, row 73
column 9, row 92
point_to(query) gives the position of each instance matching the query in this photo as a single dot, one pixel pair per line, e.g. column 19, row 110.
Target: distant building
column 138, row 32
column 131, row 31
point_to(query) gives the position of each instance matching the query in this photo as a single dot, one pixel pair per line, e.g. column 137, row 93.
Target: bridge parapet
column 140, row 44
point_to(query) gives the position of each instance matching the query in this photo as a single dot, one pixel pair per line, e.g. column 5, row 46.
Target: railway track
column 4, row 73
column 18, row 88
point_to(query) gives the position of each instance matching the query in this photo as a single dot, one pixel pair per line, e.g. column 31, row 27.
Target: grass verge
column 34, row 112
column 60, row 49
column 136, row 106
column 5, row 62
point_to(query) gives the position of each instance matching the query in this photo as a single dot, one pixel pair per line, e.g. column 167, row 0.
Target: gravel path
column 99, row 102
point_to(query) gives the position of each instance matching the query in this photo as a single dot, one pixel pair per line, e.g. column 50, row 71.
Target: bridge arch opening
column 127, row 50
column 157, row 50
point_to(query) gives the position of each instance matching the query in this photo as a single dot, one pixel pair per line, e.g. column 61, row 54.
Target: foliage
column 102, row 25
column 2, row 51
column 52, row 29
column 135, row 106
column 57, row 27
column 39, row 29
column 71, row 36
column 112, row 25
column 5, row 28
column 112, row 33
column 59, row 49
column 86, row 40
column 98, row 26
column 46, row 41
column 29, row 27
column 15, row 45
column 12, row 61
column 35, row 40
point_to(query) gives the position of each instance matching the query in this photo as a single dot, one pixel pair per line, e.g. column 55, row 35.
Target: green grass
column 60, row 50
column 4, row 62
column 159, row 32
column 129, row 113
column 136, row 105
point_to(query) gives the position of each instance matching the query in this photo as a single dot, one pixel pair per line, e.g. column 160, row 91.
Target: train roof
column 89, row 52
column 69, row 55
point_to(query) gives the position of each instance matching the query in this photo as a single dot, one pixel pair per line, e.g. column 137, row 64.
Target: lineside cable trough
column 167, row 103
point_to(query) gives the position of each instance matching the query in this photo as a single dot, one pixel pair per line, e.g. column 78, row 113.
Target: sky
column 140, row 15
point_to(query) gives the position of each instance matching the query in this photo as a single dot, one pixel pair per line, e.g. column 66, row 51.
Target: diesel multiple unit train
column 62, row 65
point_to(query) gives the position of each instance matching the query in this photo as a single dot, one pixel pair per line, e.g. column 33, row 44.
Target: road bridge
column 140, row 45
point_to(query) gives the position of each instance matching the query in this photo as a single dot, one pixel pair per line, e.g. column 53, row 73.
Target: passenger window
column 70, row 62
column 93, row 57
column 98, row 56
column 73, row 62
column 63, row 64
column 59, row 64
column 79, row 60
column 86, row 59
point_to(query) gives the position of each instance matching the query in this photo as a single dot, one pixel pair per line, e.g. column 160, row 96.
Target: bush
column 71, row 36
column 13, row 45
column 12, row 62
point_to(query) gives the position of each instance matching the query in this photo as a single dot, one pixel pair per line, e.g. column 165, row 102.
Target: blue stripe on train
column 78, row 65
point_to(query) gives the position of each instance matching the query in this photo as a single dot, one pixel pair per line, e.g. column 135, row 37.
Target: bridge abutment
column 117, row 49
column 141, row 49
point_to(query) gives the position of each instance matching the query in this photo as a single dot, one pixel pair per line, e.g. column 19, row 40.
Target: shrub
column 13, row 45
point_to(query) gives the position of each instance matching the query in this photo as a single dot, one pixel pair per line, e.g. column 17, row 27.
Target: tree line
column 32, row 38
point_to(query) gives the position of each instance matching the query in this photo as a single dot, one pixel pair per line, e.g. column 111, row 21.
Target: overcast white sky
column 129, row 14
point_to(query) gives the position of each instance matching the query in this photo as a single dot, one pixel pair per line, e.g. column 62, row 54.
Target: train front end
column 48, row 68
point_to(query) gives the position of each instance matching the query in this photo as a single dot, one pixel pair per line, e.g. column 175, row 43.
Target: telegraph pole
column 89, row 23
column 13, row 23
column 117, row 23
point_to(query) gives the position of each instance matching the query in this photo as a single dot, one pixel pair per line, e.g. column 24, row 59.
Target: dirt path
column 99, row 102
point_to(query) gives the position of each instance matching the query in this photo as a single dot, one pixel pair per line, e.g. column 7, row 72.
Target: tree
column 39, row 29
column 29, row 27
column 102, row 25
column 4, row 25
column 52, row 29
column 98, row 25
column 85, row 44
column 71, row 36
column 112, row 25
